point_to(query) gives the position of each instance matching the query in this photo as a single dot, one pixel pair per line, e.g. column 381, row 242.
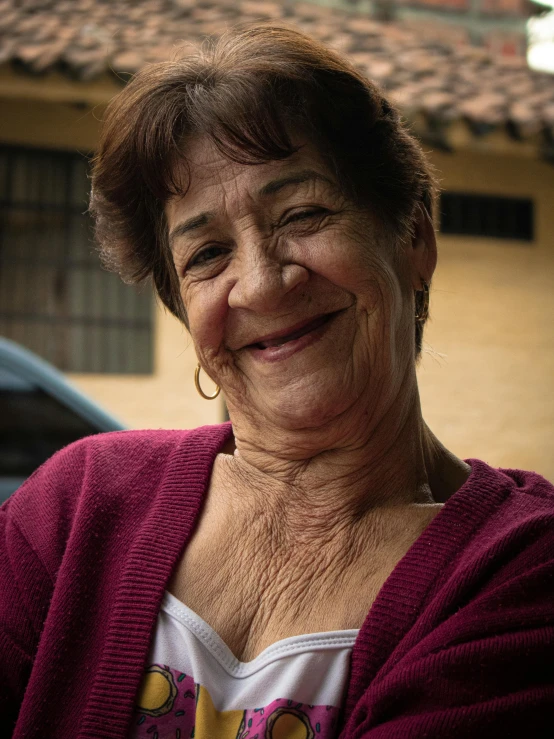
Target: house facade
column 488, row 126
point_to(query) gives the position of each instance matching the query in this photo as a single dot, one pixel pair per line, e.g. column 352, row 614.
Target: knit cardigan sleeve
column 20, row 614
column 87, row 545
column 31, row 521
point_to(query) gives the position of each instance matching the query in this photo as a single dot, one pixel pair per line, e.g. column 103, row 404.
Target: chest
column 254, row 603
column 254, row 588
column 297, row 686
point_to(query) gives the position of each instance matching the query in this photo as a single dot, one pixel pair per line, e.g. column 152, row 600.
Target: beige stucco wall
column 486, row 384
column 62, row 125
column 492, row 393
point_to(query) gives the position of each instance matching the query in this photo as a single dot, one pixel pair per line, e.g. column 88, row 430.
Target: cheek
column 364, row 268
column 352, row 266
column 206, row 307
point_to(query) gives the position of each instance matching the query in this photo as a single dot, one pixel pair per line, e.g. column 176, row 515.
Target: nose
column 263, row 281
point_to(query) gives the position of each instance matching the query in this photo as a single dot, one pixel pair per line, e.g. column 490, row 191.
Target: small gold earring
column 422, row 304
column 199, row 389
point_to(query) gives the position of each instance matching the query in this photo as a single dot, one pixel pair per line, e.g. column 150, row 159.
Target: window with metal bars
column 55, row 297
column 487, row 215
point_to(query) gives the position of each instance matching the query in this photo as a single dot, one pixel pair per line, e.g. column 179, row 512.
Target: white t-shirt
column 194, row 686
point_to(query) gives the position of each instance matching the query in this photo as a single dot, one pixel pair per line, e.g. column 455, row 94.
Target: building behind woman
column 321, row 566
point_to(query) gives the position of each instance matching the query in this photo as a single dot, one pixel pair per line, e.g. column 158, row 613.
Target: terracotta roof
column 437, row 76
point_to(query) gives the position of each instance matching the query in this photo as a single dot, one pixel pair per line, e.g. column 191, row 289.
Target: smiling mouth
column 306, row 329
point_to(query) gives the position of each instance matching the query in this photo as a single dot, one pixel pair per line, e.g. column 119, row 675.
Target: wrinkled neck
column 355, row 465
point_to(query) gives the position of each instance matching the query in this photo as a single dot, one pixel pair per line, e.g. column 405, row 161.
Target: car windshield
column 33, row 425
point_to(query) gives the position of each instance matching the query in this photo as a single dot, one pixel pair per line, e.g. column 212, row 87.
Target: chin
column 309, row 411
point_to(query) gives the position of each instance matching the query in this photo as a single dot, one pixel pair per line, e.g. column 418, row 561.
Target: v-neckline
column 202, row 630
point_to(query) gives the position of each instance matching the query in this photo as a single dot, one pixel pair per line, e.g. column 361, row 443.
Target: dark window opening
column 55, row 297
column 487, row 215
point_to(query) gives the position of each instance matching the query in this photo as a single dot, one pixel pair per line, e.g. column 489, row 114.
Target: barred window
column 493, row 216
column 55, row 297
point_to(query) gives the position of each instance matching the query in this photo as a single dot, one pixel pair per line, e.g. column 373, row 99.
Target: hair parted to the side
column 248, row 91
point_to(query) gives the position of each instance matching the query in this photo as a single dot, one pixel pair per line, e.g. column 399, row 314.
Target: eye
column 205, row 256
column 304, row 215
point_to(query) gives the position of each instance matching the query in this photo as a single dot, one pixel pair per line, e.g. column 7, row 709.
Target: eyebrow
column 271, row 188
column 297, row 178
column 190, row 225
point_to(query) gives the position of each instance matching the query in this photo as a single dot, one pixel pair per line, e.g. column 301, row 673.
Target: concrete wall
column 486, row 376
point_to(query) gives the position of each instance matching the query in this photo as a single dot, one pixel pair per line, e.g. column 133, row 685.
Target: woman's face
column 296, row 303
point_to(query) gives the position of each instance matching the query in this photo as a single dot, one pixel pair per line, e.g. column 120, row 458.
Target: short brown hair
column 247, row 91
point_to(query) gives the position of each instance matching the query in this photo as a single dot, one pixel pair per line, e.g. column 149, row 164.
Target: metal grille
column 487, row 215
column 55, row 297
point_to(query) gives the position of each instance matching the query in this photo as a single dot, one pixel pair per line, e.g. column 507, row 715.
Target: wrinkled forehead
column 210, row 180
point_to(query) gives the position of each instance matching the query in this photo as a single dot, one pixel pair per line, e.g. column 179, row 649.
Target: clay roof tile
column 8, row 50
column 437, row 102
column 260, row 8
column 127, row 62
column 8, row 21
column 488, row 108
column 423, row 66
column 547, row 114
column 85, row 64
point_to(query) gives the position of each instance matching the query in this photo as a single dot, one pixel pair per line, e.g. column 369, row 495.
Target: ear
column 422, row 251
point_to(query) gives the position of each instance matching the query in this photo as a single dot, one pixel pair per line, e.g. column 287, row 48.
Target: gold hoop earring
column 422, row 304
column 199, row 389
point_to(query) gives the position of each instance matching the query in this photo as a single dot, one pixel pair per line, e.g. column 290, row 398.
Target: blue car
column 40, row 412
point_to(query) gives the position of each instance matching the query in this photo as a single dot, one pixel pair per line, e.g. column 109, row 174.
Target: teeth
column 275, row 342
column 280, row 341
column 290, row 337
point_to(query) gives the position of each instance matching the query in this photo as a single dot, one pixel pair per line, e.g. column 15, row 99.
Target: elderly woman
column 322, row 566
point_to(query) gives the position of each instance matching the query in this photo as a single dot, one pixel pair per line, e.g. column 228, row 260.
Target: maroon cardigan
column 459, row 643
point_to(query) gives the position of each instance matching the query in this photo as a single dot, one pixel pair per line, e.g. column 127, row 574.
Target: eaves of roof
column 435, row 80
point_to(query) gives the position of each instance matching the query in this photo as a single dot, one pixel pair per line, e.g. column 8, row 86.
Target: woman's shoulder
column 516, row 492
column 503, row 504
column 496, row 529
column 110, row 476
column 146, row 441
column 118, row 455
column 508, row 518
column 465, row 624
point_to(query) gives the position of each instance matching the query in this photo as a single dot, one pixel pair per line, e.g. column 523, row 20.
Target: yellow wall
column 490, row 395
column 55, row 125
column 492, row 317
